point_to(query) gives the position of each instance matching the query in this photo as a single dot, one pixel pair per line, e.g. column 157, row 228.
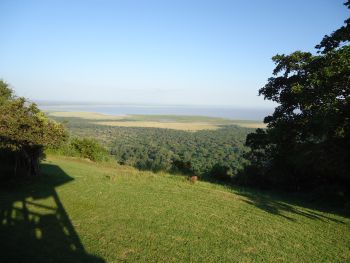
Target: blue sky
column 158, row 52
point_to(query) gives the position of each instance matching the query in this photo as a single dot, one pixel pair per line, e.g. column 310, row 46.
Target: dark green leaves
column 308, row 137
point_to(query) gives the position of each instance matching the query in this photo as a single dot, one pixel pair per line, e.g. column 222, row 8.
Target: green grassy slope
column 86, row 212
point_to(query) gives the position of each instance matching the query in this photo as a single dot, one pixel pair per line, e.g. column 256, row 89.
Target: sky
column 155, row 52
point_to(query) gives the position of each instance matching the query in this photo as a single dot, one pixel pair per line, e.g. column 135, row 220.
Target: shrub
column 24, row 133
column 221, row 172
column 84, row 148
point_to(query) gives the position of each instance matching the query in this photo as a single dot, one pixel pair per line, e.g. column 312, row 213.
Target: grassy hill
column 86, row 212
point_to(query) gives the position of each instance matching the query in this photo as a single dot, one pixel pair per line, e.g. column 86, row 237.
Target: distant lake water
column 222, row 112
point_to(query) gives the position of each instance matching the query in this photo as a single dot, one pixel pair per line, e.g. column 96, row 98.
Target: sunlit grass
column 104, row 212
column 124, row 214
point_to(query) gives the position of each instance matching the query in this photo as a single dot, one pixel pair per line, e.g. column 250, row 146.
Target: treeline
column 307, row 143
column 208, row 153
column 180, row 151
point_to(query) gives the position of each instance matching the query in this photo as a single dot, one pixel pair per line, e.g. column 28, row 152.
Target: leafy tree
column 185, row 167
column 24, row 132
column 89, row 148
column 307, row 140
column 338, row 37
column 5, row 92
column 221, row 172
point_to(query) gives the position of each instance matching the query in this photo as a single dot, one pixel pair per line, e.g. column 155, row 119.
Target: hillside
column 86, row 212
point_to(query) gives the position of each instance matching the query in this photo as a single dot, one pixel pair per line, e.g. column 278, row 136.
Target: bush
column 184, row 167
column 84, row 148
column 221, row 172
column 24, row 133
column 89, row 148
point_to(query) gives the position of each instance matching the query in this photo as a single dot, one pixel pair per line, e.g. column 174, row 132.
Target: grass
column 197, row 126
column 249, row 124
column 84, row 115
column 178, row 118
column 177, row 122
column 86, row 212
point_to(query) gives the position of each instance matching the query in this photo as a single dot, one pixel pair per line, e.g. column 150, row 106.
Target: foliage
column 307, row 141
column 185, row 152
column 182, row 166
column 83, row 148
column 6, row 92
column 338, row 37
column 89, row 148
column 24, row 132
column 167, row 149
column 221, row 172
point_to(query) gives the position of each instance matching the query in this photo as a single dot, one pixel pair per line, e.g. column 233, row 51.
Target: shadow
column 33, row 231
column 286, row 206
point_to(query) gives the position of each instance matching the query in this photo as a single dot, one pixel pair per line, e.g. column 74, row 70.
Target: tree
column 221, row 172
column 5, row 92
column 307, row 140
column 89, row 148
column 24, row 132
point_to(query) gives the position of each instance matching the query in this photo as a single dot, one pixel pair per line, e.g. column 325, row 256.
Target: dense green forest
column 207, row 153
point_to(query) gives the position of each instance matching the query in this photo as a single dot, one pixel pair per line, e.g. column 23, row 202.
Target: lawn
column 80, row 211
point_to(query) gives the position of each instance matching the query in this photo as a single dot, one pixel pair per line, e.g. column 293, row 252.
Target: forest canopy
column 207, row 153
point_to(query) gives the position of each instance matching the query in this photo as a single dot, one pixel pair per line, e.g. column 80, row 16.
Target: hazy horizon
column 233, row 113
column 200, row 53
column 63, row 103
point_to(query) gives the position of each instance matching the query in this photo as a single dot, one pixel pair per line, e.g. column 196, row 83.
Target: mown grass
column 119, row 214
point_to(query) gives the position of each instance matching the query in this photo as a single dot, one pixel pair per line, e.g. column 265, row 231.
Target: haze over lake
column 228, row 112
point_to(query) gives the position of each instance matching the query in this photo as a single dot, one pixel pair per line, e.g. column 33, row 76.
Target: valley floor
column 81, row 211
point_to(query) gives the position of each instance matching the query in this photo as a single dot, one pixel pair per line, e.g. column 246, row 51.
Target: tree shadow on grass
column 288, row 205
column 34, row 232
